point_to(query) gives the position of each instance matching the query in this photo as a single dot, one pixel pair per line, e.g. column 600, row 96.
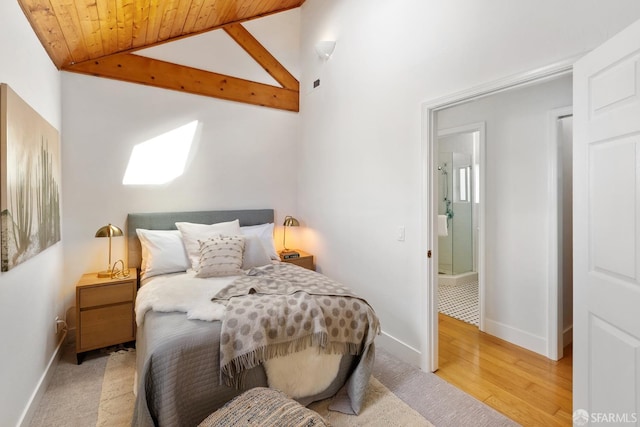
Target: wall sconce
column 325, row 48
column 109, row 231
column 289, row 221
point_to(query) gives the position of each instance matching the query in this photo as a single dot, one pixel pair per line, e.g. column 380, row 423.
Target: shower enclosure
column 457, row 196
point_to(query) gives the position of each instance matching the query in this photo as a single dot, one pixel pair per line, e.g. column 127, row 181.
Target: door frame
column 555, row 298
column 429, row 206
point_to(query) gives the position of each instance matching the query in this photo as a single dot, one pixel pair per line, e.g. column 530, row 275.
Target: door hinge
column 429, row 253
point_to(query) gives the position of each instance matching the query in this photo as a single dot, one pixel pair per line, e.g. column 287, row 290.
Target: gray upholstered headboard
column 167, row 221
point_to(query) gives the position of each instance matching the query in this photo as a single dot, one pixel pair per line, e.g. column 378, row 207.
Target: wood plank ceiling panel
column 125, row 24
column 47, row 27
column 140, row 23
column 155, row 18
column 72, row 29
column 192, row 16
column 92, row 29
column 180, row 18
column 167, row 19
column 107, row 22
column 81, row 35
column 207, row 15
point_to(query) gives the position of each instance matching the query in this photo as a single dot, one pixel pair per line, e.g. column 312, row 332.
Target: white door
column 606, row 380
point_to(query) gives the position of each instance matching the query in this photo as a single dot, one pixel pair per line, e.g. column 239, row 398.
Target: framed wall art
column 29, row 181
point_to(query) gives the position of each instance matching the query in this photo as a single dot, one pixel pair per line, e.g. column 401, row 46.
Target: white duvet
column 300, row 374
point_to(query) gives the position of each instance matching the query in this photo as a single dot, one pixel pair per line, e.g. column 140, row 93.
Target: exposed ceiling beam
column 139, row 69
column 99, row 37
column 262, row 56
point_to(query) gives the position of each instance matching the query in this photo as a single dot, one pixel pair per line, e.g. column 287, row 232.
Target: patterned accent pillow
column 193, row 233
column 220, row 256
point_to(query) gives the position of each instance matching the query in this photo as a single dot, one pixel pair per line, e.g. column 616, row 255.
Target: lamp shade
column 324, row 48
column 290, row 221
column 109, row 230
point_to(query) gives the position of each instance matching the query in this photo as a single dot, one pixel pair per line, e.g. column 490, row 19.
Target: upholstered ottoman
column 265, row 407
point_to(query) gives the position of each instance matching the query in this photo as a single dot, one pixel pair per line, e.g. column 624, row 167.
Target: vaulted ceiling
column 100, row 38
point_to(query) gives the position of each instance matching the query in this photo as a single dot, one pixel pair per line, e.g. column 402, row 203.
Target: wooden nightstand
column 104, row 311
column 305, row 260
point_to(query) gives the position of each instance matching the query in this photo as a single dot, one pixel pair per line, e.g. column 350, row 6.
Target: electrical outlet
column 60, row 325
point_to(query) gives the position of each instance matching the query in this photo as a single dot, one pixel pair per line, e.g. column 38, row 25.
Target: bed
column 183, row 370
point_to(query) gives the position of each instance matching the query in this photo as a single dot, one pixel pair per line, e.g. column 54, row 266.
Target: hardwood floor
column 526, row 387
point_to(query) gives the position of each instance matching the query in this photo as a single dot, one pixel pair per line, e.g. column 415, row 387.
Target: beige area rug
column 116, row 398
column 380, row 408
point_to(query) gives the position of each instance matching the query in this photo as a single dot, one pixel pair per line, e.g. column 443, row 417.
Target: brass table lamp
column 289, row 221
column 109, row 231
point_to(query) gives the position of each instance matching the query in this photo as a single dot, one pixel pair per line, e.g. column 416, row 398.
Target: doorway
column 521, row 288
column 460, row 154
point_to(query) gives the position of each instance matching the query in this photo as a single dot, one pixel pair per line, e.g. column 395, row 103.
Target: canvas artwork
column 29, row 181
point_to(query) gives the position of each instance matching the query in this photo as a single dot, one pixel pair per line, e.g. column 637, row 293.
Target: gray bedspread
column 178, row 373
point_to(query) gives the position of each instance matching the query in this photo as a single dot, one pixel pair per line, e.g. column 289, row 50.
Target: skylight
column 161, row 159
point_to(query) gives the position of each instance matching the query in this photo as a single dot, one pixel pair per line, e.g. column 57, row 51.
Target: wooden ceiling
column 99, row 37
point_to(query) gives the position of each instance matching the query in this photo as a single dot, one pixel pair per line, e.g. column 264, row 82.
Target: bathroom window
column 464, row 183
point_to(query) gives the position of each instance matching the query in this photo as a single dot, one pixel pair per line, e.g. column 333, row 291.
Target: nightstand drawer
column 105, row 295
column 107, row 325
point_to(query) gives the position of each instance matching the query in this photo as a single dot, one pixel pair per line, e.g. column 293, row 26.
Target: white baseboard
column 41, row 388
column 399, row 349
column 567, row 336
column 516, row 336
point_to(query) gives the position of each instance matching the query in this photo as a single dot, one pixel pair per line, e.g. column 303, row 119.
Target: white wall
column 242, row 157
column 360, row 171
column 30, row 294
column 517, row 205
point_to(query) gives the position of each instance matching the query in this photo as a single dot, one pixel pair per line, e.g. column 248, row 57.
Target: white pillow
column 254, row 253
column 192, row 233
column 265, row 233
column 220, row 256
column 162, row 252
